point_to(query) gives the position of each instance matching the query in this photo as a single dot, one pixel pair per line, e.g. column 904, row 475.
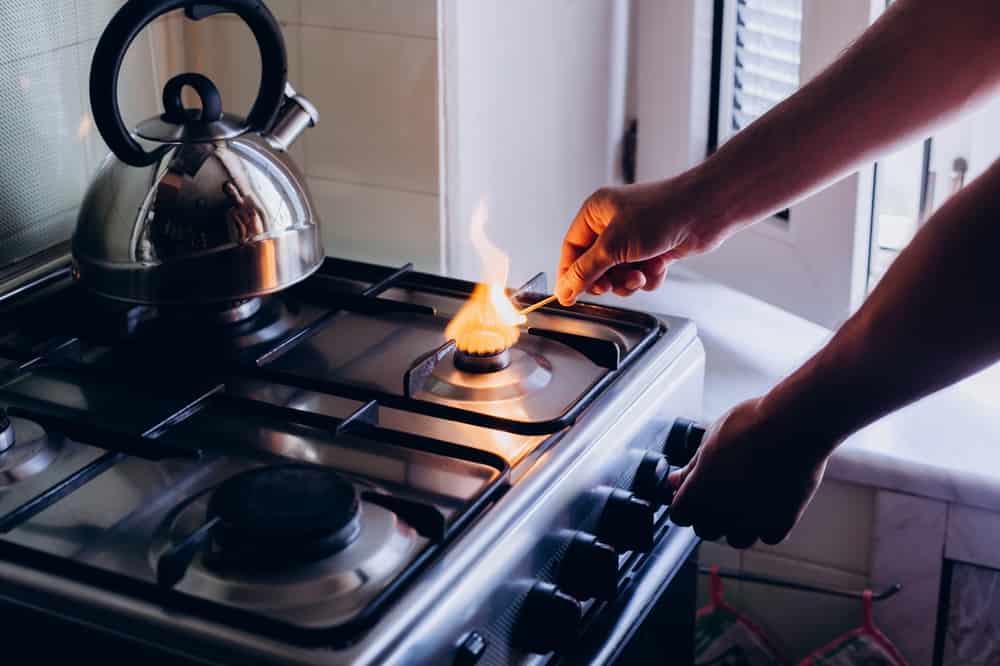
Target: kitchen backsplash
column 49, row 147
column 370, row 66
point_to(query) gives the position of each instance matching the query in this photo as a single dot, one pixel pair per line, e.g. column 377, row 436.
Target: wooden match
column 537, row 306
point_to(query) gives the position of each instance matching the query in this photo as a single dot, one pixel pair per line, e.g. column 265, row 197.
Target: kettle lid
column 178, row 124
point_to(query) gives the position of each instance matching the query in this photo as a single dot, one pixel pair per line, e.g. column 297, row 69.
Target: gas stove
column 323, row 477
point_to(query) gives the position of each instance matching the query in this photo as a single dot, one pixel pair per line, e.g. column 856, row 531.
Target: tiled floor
column 831, row 547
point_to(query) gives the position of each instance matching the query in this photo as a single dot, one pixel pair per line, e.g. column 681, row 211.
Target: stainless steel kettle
column 216, row 211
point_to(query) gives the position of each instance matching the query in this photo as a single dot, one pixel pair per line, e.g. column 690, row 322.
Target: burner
column 276, row 517
column 214, row 333
column 318, row 592
column 25, row 449
column 510, row 375
column 238, row 311
column 222, row 314
column 6, row 432
column 481, row 363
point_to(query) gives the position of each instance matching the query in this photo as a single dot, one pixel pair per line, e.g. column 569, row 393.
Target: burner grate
column 176, row 428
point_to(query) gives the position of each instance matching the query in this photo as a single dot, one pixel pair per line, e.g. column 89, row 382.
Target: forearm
column 920, row 61
column 933, row 319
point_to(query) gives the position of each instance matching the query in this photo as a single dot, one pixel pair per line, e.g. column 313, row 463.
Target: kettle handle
column 132, row 19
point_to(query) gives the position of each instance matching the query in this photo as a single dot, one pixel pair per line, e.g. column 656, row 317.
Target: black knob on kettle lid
column 179, row 124
column 173, row 102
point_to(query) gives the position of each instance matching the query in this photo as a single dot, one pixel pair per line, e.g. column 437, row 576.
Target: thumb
column 584, row 272
column 680, row 481
column 677, row 476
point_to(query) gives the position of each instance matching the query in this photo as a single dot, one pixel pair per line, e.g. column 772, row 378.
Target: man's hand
column 624, row 238
column 748, row 481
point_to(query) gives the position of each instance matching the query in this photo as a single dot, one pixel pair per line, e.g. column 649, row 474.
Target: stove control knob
column 549, row 620
column 682, row 442
column 651, row 482
column 589, row 568
column 627, row 522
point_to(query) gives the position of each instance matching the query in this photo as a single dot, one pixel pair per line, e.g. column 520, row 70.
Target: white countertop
column 946, row 446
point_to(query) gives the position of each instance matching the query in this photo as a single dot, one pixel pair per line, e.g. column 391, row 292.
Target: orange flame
column 488, row 321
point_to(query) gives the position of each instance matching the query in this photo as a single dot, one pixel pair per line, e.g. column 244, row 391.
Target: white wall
column 673, row 72
column 532, row 109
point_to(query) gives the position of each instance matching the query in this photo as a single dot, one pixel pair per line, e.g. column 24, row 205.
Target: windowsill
column 946, row 446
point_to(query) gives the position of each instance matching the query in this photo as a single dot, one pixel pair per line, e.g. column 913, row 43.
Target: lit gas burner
column 486, row 327
column 481, row 363
column 508, row 375
column 484, row 330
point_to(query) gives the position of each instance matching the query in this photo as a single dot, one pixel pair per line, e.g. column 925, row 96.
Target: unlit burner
column 6, row 432
column 482, row 363
column 25, row 449
column 287, row 515
column 223, row 314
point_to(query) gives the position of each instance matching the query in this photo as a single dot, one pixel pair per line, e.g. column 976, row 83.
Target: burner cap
column 493, row 362
column 284, row 516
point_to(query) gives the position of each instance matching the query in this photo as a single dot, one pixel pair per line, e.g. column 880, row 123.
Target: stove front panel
column 180, row 418
column 565, row 495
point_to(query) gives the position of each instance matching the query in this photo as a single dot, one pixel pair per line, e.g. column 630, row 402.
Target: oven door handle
column 607, row 637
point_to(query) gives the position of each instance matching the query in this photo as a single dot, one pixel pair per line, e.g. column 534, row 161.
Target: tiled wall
column 369, row 65
column 831, row 546
column 371, row 68
column 49, row 146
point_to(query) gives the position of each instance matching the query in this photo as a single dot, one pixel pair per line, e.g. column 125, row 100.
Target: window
column 766, row 57
column 813, row 261
column 766, row 41
column 915, row 181
column 898, row 206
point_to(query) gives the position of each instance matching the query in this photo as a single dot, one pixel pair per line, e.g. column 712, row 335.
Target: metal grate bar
column 53, row 352
column 307, row 332
column 121, row 445
column 67, row 486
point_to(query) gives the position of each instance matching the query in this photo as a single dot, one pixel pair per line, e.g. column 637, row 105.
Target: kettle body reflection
column 217, row 211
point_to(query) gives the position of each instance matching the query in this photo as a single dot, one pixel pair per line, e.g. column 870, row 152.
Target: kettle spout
column 296, row 116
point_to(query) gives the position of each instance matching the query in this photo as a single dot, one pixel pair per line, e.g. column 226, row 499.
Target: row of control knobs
column 589, row 568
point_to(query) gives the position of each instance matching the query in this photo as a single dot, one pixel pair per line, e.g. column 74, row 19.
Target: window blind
column 767, row 53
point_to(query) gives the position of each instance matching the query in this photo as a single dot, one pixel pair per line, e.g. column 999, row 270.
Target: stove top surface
column 139, row 433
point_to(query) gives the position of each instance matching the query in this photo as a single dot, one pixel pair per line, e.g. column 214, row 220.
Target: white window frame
column 816, row 263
